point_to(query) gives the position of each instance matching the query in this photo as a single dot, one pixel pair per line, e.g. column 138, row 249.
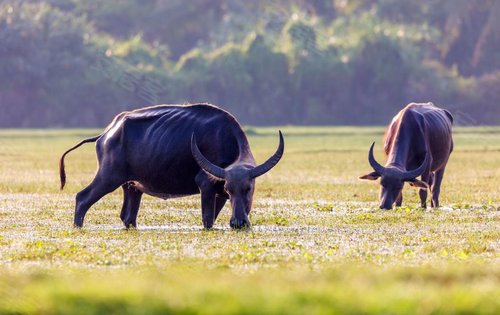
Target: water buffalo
column 418, row 142
column 158, row 151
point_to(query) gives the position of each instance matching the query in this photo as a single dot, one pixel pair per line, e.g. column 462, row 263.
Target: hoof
column 129, row 226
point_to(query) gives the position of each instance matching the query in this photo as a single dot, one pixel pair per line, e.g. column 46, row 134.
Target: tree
column 470, row 34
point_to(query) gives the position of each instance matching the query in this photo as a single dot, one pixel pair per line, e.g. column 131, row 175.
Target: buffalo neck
column 406, row 143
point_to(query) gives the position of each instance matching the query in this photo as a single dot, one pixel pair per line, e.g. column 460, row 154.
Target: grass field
column 318, row 245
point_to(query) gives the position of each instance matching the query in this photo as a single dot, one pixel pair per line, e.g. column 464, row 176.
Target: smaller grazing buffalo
column 171, row 151
column 418, row 142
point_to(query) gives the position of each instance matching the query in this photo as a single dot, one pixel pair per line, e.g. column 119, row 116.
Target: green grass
column 319, row 244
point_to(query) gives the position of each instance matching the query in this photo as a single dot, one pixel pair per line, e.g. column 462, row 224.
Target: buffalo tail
column 62, row 173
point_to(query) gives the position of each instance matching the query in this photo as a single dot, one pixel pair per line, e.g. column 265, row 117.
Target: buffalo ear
column 371, row 176
column 418, row 183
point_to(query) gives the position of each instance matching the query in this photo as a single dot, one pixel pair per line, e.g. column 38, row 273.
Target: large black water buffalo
column 418, row 142
column 158, row 151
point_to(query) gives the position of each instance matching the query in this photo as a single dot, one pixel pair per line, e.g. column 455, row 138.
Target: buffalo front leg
column 123, row 213
column 208, row 199
column 208, row 208
column 423, row 191
column 399, row 200
column 90, row 195
column 131, row 202
column 219, row 204
column 436, row 188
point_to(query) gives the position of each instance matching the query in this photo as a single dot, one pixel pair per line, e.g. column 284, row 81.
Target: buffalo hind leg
column 436, row 188
column 99, row 187
column 131, row 202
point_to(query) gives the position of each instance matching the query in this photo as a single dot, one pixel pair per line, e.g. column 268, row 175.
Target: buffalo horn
column 205, row 164
column 271, row 162
column 409, row 175
column 376, row 166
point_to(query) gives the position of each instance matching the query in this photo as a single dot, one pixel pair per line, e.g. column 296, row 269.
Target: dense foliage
column 77, row 63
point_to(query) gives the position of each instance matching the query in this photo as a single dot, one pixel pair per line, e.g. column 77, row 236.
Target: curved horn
column 418, row 171
column 271, row 162
column 376, row 166
column 205, row 164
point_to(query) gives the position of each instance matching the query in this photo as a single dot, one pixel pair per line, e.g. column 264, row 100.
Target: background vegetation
column 319, row 244
column 78, row 63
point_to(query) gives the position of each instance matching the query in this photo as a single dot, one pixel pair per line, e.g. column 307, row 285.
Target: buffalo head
column 239, row 180
column 392, row 180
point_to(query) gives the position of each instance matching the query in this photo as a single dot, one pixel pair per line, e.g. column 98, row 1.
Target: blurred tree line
column 79, row 62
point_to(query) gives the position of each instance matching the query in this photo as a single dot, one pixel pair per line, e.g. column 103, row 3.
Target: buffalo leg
column 208, row 199
column 423, row 197
column 219, row 204
column 399, row 200
column 131, row 202
column 208, row 208
column 90, row 195
column 436, row 188
column 123, row 213
column 423, row 191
